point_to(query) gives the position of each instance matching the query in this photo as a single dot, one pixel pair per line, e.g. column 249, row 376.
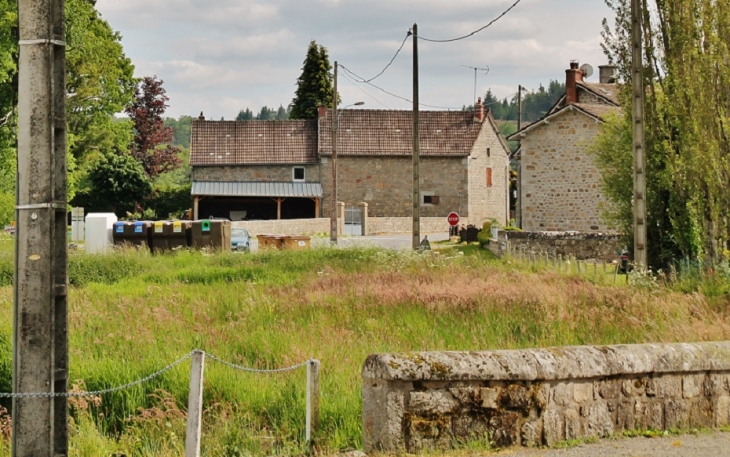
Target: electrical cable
column 476, row 31
column 408, row 34
column 354, row 83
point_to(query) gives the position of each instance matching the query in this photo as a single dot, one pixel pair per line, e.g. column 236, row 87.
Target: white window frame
column 294, row 174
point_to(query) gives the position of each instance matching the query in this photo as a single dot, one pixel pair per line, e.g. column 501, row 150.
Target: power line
column 363, row 91
column 475, row 31
column 360, row 79
column 408, row 34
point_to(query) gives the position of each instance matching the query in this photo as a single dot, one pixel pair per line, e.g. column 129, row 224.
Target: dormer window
column 298, row 174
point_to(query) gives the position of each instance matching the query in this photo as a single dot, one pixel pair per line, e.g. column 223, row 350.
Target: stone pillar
column 364, row 208
column 340, row 217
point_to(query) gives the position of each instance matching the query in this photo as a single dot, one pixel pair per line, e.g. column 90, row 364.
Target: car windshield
column 239, row 233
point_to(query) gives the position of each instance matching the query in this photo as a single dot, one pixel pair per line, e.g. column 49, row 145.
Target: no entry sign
column 453, row 219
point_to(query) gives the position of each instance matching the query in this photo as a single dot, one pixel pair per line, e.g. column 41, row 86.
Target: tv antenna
column 485, row 70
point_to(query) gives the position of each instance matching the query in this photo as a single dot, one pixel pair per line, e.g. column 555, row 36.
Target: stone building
column 283, row 169
column 559, row 183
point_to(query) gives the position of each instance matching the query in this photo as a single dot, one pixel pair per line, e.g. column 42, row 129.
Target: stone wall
column 561, row 188
column 395, row 225
column 290, row 227
column 255, row 173
column 419, row 401
column 581, row 246
column 385, row 184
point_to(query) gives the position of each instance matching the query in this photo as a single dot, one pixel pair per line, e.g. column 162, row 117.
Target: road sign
column 453, row 219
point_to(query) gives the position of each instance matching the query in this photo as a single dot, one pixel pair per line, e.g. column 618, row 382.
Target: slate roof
column 253, row 142
column 598, row 111
column 606, row 91
column 390, row 133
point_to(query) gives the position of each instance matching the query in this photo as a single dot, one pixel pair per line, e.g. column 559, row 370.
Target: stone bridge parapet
column 432, row 400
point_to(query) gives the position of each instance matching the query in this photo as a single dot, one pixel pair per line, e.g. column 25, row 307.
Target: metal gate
column 353, row 221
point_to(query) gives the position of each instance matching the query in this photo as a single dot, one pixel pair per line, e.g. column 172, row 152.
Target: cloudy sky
column 222, row 56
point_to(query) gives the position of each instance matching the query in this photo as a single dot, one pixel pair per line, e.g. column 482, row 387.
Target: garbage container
column 215, row 234
column 159, row 239
column 295, row 243
column 131, row 233
column 119, row 233
column 178, row 234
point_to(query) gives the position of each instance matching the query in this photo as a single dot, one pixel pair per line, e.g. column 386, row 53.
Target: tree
column 282, row 114
column 151, row 145
column 245, row 115
column 266, row 114
column 120, row 182
column 314, row 86
column 687, row 121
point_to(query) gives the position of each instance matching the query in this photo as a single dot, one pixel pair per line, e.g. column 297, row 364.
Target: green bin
column 211, row 234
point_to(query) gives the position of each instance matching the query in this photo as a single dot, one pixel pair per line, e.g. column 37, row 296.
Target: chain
column 255, row 370
column 96, row 392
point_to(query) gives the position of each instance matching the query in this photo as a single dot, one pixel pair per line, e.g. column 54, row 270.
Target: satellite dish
column 587, row 70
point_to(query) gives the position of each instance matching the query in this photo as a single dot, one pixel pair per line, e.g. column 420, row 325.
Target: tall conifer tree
column 314, row 86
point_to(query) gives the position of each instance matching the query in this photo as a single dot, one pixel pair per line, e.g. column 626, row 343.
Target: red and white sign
column 453, row 219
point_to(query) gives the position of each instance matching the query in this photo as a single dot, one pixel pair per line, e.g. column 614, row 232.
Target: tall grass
column 132, row 313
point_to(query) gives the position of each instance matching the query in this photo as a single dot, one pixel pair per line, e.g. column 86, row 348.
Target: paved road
column 706, row 444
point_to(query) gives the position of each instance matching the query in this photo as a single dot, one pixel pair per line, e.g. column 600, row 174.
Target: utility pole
column 518, row 199
column 40, row 332
column 335, row 127
column 416, row 148
column 640, row 252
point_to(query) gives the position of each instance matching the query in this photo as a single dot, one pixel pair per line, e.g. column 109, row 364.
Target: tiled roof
column 607, row 91
column 599, row 111
column 257, row 189
column 253, row 142
column 387, row 132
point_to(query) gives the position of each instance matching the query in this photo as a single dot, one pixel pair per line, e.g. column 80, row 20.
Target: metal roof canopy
column 257, row 189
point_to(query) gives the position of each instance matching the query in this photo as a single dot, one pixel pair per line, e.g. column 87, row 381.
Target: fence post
column 313, row 368
column 195, row 405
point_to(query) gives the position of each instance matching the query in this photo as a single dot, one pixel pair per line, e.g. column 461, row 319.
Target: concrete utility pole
column 40, row 339
column 518, row 199
column 335, row 126
column 640, row 252
column 416, row 148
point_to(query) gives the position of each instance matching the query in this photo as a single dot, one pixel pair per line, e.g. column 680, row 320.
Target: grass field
column 132, row 313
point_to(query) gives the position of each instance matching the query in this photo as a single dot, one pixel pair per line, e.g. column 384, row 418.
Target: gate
column 353, row 221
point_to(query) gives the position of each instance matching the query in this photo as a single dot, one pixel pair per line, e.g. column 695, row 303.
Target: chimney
column 572, row 76
column 479, row 110
column 201, row 117
column 322, row 110
column 607, row 74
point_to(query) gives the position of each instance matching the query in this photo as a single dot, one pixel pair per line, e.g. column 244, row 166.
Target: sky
column 222, row 56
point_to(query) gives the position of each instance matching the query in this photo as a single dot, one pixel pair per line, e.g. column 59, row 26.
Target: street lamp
column 335, row 128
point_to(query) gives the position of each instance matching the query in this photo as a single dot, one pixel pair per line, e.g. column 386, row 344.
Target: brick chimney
column 479, row 110
column 201, row 117
column 321, row 111
column 572, row 76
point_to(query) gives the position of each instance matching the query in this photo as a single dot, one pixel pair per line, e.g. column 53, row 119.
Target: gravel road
column 709, row 444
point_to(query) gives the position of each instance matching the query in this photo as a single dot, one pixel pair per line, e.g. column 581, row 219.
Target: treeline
column 264, row 114
column 535, row 104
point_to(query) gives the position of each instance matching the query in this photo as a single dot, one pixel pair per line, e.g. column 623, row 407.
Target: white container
column 99, row 232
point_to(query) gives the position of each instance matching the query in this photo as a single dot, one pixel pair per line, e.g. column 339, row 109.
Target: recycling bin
column 120, row 233
column 178, row 234
column 211, row 234
column 132, row 233
column 158, row 237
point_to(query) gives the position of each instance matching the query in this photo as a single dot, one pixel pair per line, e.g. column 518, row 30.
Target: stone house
column 283, row 169
column 559, row 183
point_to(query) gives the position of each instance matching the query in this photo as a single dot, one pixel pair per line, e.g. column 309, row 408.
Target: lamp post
column 335, row 128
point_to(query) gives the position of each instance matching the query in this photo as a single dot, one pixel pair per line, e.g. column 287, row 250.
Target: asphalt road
column 396, row 242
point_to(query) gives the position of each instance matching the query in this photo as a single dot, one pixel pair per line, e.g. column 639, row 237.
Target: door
column 353, row 221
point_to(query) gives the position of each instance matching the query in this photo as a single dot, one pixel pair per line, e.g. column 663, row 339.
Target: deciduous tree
column 151, row 145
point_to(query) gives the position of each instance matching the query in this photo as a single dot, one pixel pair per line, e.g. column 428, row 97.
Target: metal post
column 640, row 254
column 335, row 127
column 416, row 148
column 40, row 349
column 313, row 368
column 195, row 405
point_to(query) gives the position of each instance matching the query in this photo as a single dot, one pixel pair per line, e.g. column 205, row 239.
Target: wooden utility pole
column 335, row 127
column 518, row 199
column 40, row 349
column 416, row 148
column 640, row 252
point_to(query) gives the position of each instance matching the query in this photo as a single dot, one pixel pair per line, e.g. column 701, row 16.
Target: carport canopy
column 257, row 189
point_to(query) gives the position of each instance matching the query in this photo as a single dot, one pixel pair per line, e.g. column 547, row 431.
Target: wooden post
column 195, row 405
column 313, row 368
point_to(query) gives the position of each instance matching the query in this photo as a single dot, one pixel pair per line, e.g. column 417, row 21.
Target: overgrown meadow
column 132, row 313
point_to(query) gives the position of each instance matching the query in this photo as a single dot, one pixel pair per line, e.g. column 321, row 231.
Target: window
column 430, row 199
column 298, row 174
column 489, row 177
column 489, row 152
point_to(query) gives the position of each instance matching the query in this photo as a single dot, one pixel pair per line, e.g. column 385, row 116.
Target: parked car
column 240, row 239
